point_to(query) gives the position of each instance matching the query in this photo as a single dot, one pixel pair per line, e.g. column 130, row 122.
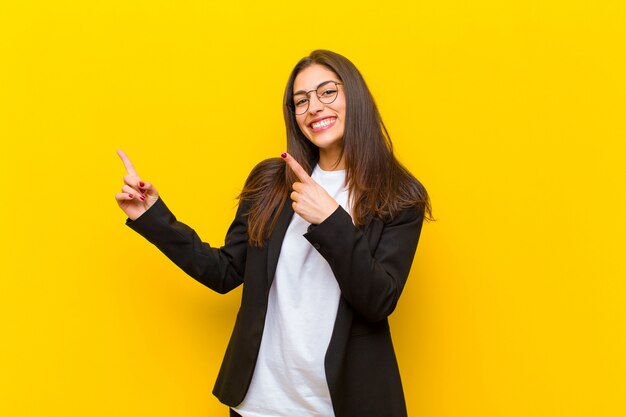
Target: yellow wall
column 511, row 113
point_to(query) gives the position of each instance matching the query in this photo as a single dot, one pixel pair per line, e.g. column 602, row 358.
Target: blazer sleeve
column 221, row 269
column 371, row 281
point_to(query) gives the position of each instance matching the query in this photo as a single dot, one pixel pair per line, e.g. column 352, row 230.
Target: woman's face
column 322, row 124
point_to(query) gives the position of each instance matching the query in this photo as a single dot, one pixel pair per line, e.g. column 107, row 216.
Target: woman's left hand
column 310, row 200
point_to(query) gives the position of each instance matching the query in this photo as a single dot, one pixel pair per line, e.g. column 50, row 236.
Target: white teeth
column 322, row 123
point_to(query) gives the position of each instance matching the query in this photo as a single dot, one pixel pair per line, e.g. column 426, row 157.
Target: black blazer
column 371, row 264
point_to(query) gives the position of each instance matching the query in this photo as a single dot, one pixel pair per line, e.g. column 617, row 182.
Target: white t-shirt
column 289, row 378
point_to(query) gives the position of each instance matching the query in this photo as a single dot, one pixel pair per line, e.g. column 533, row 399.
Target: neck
column 330, row 160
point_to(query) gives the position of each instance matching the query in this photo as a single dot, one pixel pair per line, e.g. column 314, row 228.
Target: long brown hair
column 379, row 186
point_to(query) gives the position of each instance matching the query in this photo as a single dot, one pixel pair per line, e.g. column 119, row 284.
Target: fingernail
column 141, row 184
column 283, row 155
column 142, row 198
column 130, row 195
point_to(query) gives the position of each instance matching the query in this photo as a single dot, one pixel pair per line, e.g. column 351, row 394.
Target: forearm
column 220, row 269
column 371, row 275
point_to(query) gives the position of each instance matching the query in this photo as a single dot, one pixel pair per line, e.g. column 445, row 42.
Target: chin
column 326, row 145
column 325, row 141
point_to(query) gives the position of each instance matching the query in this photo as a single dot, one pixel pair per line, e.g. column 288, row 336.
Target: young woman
column 323, row 241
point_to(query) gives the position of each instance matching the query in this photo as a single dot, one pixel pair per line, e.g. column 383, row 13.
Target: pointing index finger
column 129, row 165
column 297, row 168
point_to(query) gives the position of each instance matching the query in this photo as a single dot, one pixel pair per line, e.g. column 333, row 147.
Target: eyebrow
column 318, row 86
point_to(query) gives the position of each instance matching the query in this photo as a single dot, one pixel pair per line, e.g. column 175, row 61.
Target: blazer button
column 316, row 246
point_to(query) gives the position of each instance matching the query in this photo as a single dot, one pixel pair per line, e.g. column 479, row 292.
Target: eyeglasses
column 326, row 92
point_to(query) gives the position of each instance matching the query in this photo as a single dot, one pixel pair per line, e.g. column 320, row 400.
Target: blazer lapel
column 276, row 240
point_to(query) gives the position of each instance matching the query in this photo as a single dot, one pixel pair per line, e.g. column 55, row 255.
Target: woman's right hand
column 137, row 195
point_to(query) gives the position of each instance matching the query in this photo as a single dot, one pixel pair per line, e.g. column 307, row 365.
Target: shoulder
column 408, row 184
column 263, row 194
column 264, row 184
column 411, row 198
column 266, row 172
column 269, row 163
column 409, row 214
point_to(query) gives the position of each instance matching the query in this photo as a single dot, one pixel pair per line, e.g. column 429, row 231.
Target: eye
column 329, row 92
column 299, row 102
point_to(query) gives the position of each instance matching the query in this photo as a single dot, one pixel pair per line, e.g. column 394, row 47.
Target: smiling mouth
column 322, row 124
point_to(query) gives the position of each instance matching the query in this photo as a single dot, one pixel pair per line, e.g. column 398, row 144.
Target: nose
column 315, row 105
